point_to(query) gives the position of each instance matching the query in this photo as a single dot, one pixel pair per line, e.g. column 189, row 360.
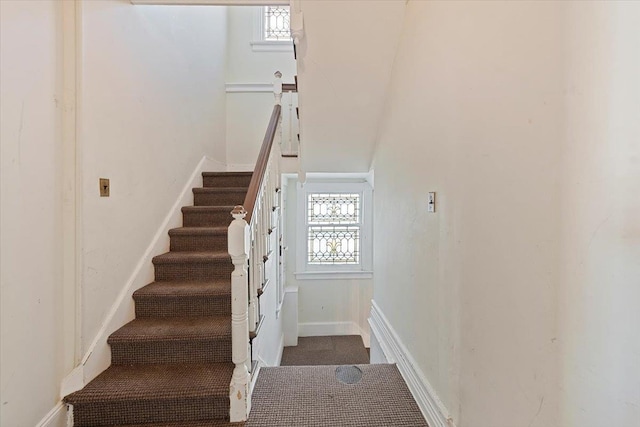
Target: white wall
column 153, row 104
column 325, row 305
column 248, row 113
column 246, row 66
column 344, row 66
column 600, row 217
column 518, row 297
column 32, row 354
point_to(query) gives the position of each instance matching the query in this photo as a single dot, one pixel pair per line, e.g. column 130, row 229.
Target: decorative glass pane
column 333, row 208
column 334, row 244
column 276, row 23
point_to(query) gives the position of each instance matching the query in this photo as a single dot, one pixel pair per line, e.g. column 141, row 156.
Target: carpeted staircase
column 171, row 365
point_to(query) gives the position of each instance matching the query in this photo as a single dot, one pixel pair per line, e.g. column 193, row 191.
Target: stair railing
column 249, row 245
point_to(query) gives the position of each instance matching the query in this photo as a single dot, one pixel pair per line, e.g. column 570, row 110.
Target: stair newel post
column 238, row 247
column 277, row 94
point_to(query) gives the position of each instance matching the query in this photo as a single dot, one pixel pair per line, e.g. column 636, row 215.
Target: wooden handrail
column 261, row 164
column 289, row 87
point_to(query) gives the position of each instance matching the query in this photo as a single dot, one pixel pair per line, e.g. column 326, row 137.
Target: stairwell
column 171, row 365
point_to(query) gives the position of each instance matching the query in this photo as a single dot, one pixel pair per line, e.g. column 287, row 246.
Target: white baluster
column 253, row 318
column 291, row 118
column 238, row 247
column 277, row 87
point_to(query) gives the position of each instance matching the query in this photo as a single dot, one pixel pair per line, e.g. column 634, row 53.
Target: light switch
column 104, row 187
column 431, row 206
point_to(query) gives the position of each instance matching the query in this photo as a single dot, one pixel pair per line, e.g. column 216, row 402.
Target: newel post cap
column 238, row 212
column 238, row 243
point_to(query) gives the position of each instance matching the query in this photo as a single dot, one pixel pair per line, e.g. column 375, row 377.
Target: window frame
column 363, row 270
column 259, row 43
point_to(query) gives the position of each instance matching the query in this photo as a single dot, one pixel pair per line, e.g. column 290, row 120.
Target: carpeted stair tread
column 224, row 174
column 207, row 216
column 204, row 423
column 220, row 287
column 226, row 179
column 199, row 231
column 219, row 196
column 191, row 257
column 209, row 190
column 199, row 209
column 154, row 382
column 193, row 266
column 184, row 299
column 173, row 329
column 189, row 239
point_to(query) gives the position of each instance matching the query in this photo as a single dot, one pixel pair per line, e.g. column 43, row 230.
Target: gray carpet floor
column 310, row 396
column 330, row 350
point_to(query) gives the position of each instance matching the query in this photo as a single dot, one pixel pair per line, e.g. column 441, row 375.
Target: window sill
column 331, row 275
column 272, row 46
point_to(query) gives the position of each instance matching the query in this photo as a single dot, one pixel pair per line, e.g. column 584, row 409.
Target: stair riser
column 199, row 243
column 218, row 199
column 206, row 219
column 183, row 306
column 167, row 352
column 137, row 411
column 193, row 272
column 226, row 181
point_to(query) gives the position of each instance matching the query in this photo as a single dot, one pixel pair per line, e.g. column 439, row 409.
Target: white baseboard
column 395, row 352
column 98, row 356
column 366, row 337
column 290, row 316
column 249, row 87
column 74, row 381
column 280, row 351
column 57, row 417
column 321, row 329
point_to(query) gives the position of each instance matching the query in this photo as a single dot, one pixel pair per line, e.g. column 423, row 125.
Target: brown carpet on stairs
column 171, row 366
column 311, row 396
column 328, row 350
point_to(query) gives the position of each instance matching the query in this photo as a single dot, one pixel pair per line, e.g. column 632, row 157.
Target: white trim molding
column 321, row 275
column 71, row 181
column 395, row 352
column 56, row 417
column 321, row 329
column 271, row 46
column 249, row 88
column 213, row 2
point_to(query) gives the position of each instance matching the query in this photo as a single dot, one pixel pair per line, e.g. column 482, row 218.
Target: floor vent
column 348, row 374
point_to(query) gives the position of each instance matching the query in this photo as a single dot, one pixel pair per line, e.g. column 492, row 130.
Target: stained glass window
column 334, row 228
column 276, row 23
